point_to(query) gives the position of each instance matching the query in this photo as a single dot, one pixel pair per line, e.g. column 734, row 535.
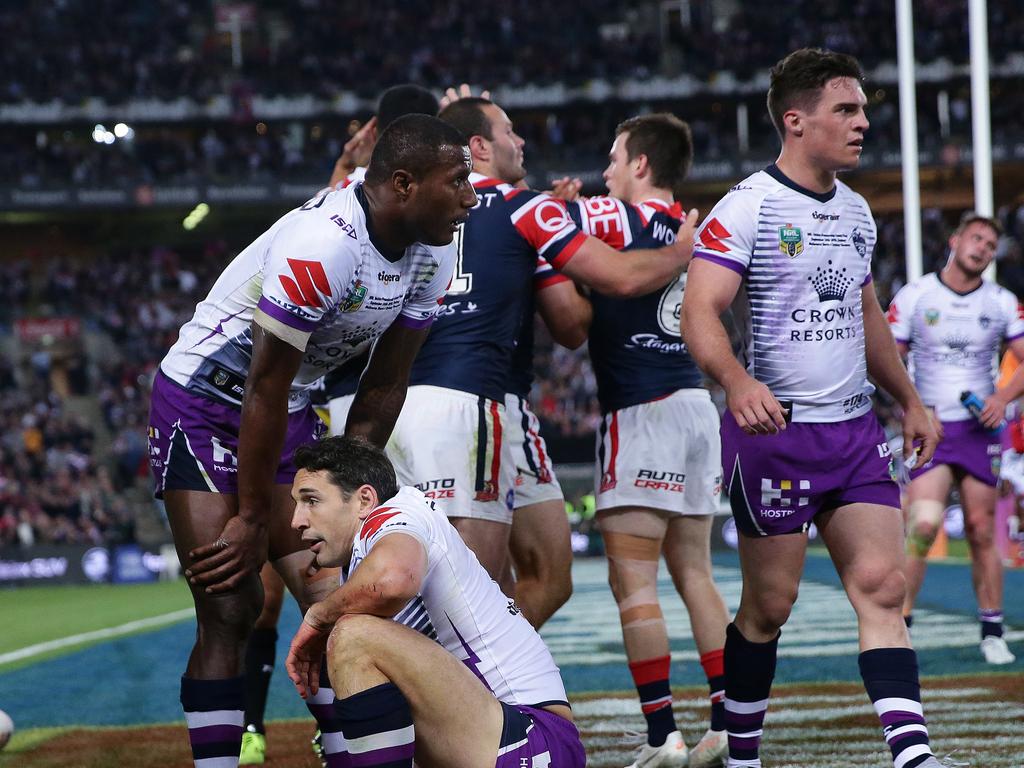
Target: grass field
column 112, row 701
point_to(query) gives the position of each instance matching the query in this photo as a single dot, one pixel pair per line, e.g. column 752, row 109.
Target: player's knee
column 923, row 520
column 354, row 636
column 980, row 530
column 231, row 615
column 771, row 611
column 881, row 584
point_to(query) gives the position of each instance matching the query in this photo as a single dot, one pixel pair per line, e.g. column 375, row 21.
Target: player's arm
column 355, row 153
column 390, row 576
column 566, row 312
column 710, row 289
column 240, row 549
column 385, row 381
column 995, row 404
column 886, row 368
column 631, row 273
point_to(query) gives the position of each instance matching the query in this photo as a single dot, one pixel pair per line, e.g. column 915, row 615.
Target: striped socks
column 714, row 668
column 749, row 671
column 321, row 706
column 890, row 677
column 214, row 713
column 651, row 679
column 378, row 727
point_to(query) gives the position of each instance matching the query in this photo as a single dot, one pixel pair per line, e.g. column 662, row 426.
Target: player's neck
column 806, row 173
column 958, row 280
column 385, row 226
column 645, row 192
column 488, row 170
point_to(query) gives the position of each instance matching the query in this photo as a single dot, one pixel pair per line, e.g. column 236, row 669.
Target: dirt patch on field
column 976, row 718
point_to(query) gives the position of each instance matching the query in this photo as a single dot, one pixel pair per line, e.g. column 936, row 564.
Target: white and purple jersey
column 804, row 258
column 316, row 280
column 462, row 608
column 954, row 339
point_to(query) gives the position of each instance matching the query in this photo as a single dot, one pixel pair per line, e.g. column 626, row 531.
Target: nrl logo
column 791, row 241
column 355, row 297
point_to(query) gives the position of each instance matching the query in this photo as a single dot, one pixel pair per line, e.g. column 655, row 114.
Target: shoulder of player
column 851, row 197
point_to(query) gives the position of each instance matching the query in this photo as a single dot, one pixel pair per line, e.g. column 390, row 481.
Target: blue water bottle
column 975, row 405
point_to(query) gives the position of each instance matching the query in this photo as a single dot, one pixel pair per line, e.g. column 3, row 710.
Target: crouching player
column 459, row 677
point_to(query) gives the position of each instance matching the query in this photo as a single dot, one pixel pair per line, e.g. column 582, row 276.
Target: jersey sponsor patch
column 712, row 235
column 310, row 281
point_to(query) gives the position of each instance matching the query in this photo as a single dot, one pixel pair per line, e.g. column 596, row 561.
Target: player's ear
column 401, row 184
column 367, row 498
column 480, row 148
column 641, row 166
column 792, row 119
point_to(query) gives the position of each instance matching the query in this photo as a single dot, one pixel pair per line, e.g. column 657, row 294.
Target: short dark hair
column 405, row 99
column 350, row 462
column 468, row 118
column 666, row 141
column 973, row 217
column 797, row 80
column 413, row 143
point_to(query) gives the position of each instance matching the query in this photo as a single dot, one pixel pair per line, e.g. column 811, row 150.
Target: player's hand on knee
column 919, row 435
column 755, row 408
column 305, row 657
column 238, row 553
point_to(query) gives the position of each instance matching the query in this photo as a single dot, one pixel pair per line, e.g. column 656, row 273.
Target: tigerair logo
column 830, row 283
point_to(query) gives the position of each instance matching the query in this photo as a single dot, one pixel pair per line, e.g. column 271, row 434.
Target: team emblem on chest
column 791, row 241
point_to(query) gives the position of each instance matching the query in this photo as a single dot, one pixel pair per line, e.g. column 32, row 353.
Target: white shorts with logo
column 535, row 474
column 665, row 454
column 450, row 445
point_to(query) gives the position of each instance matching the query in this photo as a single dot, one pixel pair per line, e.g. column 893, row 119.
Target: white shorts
column 449, row 444
column 535, row 474
column 665, row 454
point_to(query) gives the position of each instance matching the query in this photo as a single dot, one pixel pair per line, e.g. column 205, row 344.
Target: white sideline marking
column 98, row 634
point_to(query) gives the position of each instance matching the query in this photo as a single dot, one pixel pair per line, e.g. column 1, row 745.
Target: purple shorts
column 535, row 737
column 193, row 441
column 968, row 448
column 778, row 483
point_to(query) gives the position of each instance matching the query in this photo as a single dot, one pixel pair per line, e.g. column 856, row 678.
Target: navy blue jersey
column 520, row 377
column 635, row 346
column 471, row 342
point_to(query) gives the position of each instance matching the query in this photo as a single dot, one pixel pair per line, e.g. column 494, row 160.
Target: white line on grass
column 99, row 634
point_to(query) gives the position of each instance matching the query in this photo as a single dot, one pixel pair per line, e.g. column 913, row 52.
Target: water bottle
column 975, row 405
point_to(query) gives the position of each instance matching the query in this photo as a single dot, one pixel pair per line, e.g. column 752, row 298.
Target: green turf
column 37, row 614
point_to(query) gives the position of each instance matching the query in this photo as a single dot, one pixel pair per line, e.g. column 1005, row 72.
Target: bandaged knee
column 638, row 558
column 923, row 520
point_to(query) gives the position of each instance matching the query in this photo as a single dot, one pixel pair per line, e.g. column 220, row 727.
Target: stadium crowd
column 59, row 484
column 70, row 50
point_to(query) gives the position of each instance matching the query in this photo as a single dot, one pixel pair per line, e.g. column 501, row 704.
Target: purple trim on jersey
column 901, row 341
column 415, row 323
column 867, row 280
column 1015, row 337
column 471, row 661
column 729, row 263
column 286, row 317
column 968, row 447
